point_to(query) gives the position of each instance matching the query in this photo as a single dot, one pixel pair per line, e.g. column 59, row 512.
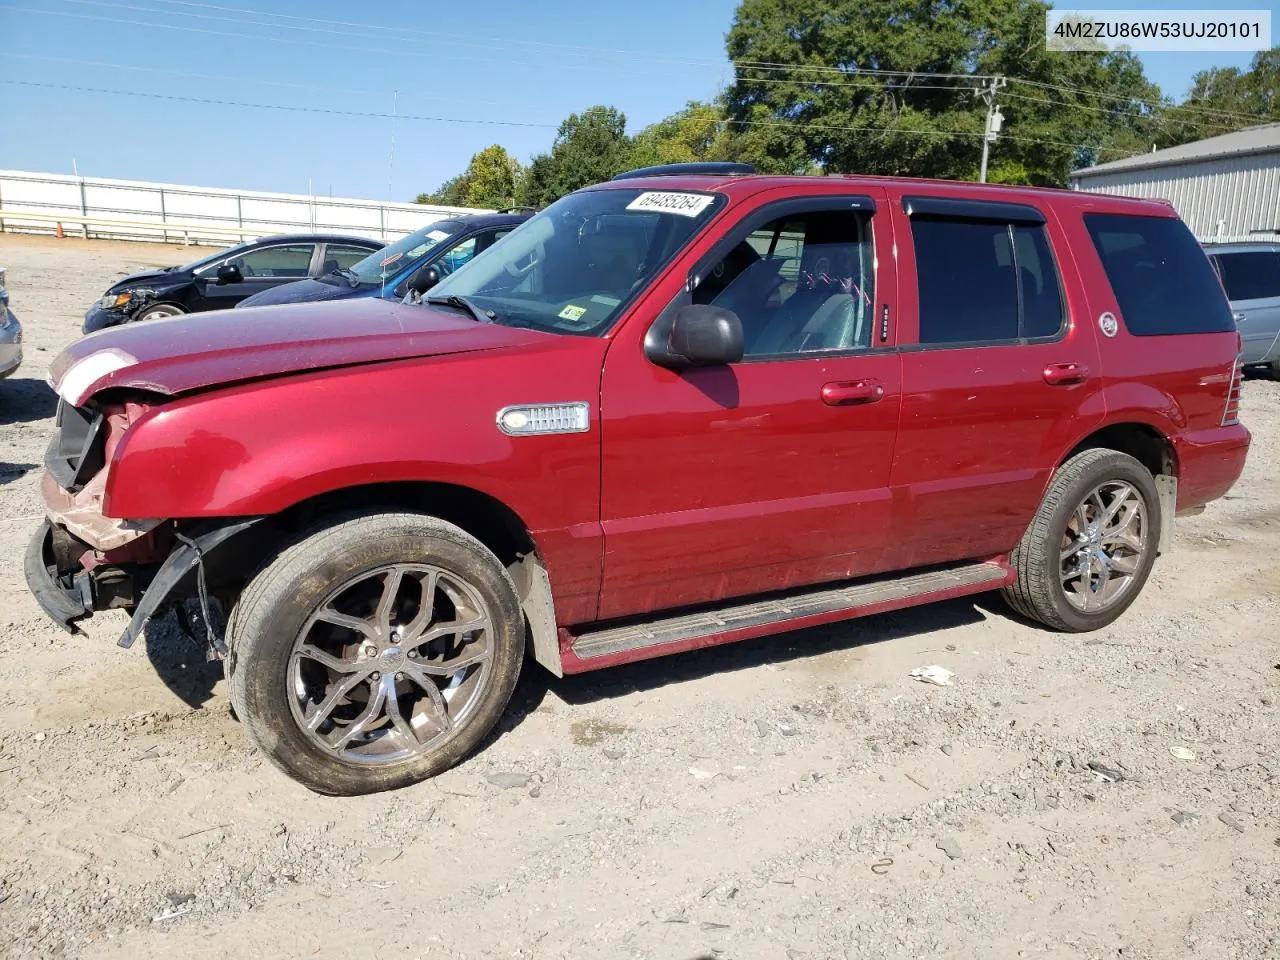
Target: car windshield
column 391, row 260
column 575, row 266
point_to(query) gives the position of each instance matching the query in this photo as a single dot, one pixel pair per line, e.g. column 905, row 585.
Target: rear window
column 1250, row 275
column 1161, row 277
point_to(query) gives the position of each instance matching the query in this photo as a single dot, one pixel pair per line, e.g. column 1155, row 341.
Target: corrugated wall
column 1231, row 197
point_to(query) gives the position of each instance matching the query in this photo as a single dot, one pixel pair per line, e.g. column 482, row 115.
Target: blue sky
column 521, row 65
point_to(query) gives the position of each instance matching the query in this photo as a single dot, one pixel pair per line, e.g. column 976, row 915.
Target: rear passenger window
column 984, row 282
column 1160, row 275
column 1250, row 275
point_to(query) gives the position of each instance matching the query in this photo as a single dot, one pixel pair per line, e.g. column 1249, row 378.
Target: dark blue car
column 445, row 244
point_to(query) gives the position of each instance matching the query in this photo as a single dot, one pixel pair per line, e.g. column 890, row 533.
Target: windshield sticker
column 437, row 235
column 572, row 312
column 392, row 259
column 683, row 204
column 609, row 302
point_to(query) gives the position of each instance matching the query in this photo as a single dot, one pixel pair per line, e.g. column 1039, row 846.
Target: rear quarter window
column 1161, row 277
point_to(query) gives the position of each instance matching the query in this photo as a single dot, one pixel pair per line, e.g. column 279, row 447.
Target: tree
column 1224, row 99
column 589, row 147
column 698, row 132
column 489, row 182
column 888, row 86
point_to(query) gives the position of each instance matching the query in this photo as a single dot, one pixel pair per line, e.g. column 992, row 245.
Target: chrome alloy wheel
column 391, row 663
column 1103, row 546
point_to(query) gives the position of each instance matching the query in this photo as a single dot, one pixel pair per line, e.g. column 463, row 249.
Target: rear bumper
column 1209, row 463
column 65, row 599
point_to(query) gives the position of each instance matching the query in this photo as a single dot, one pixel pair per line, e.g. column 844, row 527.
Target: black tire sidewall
column 1117, row 466
column 279, row 607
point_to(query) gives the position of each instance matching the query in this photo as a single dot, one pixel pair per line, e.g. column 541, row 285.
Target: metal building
column 1226, row 187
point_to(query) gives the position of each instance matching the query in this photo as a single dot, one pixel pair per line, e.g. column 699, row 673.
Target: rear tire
column 375, row 652
column 1090, row 549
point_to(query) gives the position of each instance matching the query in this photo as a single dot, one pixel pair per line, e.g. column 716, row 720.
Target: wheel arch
column 480, row 514
column 1144, row 442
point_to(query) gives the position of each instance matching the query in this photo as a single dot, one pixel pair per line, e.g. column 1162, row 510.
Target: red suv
column 686, row 407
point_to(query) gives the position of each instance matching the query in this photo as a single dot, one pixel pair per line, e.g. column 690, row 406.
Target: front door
column 770, row 473
column 259, row 270
column 999, row 369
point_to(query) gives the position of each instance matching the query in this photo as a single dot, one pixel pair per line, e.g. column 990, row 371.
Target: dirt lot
column 794, row 797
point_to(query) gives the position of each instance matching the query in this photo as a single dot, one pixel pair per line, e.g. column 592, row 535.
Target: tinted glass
column 985, row 282
column 342, row 256
column 1160, row 275
column 968, row 284
column 1250, row 275
column 800, row 284
column 574, row 266
column 1043, row 311
column 293, row 261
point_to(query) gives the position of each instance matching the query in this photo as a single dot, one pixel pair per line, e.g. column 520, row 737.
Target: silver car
column 10, row 334
column 1250, row 274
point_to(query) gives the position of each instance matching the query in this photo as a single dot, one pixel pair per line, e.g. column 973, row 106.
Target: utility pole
column 994, row 121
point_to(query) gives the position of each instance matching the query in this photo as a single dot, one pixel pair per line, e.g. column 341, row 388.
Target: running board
column 791, row 612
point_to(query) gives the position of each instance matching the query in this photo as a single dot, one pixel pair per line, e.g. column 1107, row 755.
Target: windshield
column 574, row 266
column 388, row 262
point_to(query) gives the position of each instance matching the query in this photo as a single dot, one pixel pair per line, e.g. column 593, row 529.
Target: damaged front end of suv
column 82, row 560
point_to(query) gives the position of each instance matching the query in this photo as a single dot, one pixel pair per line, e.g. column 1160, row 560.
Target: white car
column 10, row 334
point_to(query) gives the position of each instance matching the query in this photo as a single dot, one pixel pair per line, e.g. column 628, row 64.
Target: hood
column 306, row 291
column 148, row 277
column 202, row 350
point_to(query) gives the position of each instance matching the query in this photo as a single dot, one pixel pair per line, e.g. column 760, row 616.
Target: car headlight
column 114, row 301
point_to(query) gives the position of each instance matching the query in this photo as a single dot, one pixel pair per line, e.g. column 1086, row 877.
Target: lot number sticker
column 572, row 312
column 683, row 204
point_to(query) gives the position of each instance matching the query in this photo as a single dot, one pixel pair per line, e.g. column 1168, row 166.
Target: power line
column 6, row 54
column 1153, row 104
column 503, row 123
column 280, row 106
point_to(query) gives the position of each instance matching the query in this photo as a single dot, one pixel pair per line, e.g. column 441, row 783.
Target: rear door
column 1252, row 281
column 999, row 369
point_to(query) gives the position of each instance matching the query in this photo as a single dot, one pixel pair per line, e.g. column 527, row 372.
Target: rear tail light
column 1231, row 415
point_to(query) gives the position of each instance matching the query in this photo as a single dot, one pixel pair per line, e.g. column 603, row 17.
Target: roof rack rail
column 519, row 209
column 715, row 168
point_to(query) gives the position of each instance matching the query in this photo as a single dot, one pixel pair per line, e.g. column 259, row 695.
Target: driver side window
column 800, row 284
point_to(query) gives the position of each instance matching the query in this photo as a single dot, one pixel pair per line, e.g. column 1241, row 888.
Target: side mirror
column 229, row 273
column 697, row 336
column 424, row 279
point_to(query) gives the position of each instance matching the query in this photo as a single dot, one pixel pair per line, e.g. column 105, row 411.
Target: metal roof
column 1261, row 139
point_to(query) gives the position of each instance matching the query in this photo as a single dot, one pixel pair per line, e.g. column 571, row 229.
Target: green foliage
column 589, row 147
column 1224, row 99
column 923, row 125
column 489, row 182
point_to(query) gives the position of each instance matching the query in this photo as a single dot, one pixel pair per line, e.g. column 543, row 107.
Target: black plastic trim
column 62, row 605
column 177, row 565
column 998, row 211
column 711, row 167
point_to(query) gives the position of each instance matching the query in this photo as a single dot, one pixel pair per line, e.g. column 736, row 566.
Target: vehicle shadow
column 26, row 401
column 179, row 660
column 10, row 472
column 648, row 675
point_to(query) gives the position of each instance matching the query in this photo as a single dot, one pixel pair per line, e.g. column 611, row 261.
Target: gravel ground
column 1109, row 796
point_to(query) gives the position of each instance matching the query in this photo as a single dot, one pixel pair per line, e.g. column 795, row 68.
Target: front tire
column 375, row 652
column 157, row 311
column 1090, row 549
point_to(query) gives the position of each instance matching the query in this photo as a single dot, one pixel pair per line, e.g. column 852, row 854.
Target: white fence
column 139, row 210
